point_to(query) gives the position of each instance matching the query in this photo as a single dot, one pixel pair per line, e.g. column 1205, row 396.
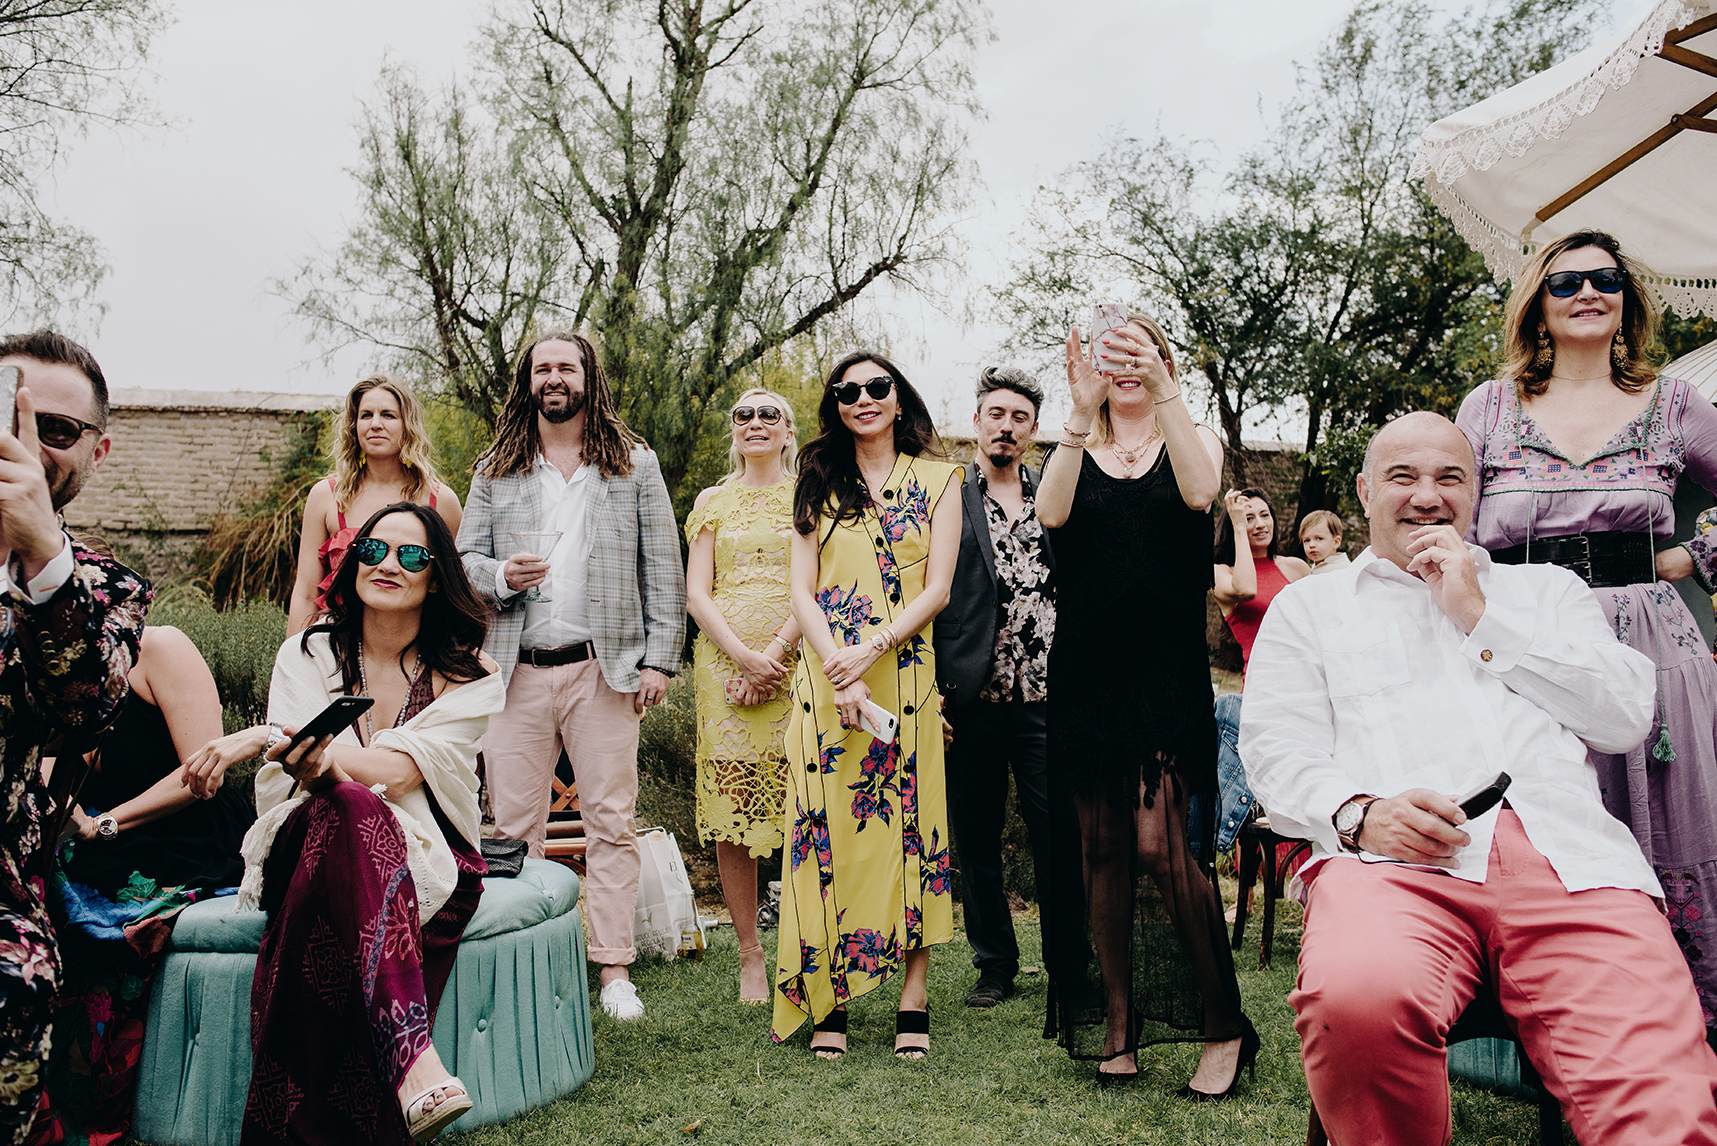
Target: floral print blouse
column 1025, row 601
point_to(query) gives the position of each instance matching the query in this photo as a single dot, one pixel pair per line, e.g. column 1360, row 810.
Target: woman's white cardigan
column 442, row 740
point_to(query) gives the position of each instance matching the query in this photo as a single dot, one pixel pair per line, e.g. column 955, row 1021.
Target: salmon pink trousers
column 1592, row 981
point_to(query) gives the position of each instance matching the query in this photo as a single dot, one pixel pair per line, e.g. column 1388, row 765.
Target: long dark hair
column 608, row 441
column 1225, row 530
column 452, row 624
column 828, row 463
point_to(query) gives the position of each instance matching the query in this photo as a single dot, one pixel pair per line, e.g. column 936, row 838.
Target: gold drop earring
column 1546, row 356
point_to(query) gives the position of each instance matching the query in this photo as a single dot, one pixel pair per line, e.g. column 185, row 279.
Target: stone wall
column 179, row 459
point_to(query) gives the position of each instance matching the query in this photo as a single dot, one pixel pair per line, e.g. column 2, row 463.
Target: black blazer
column 965, row 631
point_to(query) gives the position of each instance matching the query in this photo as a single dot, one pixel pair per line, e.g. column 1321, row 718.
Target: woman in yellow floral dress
column 866, row 890
column 736, row 591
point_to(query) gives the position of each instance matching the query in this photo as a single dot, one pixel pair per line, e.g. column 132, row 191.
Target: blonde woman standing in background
column 381, row 456
column 737, row 592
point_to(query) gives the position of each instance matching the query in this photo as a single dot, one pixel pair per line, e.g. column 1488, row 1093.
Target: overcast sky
column 197, row 219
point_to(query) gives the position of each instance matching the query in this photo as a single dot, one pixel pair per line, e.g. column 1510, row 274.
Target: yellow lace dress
column 740, row 763
column 867, row 874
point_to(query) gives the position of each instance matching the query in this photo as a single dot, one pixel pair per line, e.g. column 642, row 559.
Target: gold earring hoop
column 1545, row 358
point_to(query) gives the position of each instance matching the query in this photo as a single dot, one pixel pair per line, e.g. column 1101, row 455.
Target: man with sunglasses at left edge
column 67, row 641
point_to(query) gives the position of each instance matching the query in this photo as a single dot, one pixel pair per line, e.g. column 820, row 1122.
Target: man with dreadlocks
column 569, row 526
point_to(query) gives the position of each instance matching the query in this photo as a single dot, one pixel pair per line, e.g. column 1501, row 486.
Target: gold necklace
column 1130, row 457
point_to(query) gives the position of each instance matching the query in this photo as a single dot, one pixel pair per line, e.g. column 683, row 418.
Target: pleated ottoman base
column 514, row 1022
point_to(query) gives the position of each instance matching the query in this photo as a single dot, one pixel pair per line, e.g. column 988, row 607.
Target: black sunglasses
column 847, row 393
column 373, row 551
column 769, row 414
column 61, row 432
column 1608, row 280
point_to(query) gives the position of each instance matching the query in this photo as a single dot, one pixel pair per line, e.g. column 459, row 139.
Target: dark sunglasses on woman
column 373, row 551
column 1565, row 284
column 847, row 393
column 59, row 432
column 744, row 414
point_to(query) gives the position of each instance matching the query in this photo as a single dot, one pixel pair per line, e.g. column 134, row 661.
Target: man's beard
column 1000, row 460
column 574, row 405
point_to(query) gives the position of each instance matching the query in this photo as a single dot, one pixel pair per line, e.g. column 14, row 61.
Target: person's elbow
column 1198, row 493
column 1051, row 516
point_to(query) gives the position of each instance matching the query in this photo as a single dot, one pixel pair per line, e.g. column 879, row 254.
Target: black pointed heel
column 1248, row 1062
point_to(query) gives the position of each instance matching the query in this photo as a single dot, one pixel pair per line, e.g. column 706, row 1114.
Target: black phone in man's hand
column 1478, row 803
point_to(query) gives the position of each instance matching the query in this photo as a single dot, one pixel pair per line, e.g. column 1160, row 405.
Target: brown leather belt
column 565, row 655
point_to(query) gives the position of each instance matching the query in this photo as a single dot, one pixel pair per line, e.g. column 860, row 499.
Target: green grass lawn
column 699, row 1067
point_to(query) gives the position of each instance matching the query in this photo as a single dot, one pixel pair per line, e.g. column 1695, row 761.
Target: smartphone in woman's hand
column 1105, row 316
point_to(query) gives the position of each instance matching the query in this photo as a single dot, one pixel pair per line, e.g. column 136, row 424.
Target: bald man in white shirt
column 1375, row 697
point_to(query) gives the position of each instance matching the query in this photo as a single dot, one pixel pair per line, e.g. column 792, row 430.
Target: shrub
column 253, row 552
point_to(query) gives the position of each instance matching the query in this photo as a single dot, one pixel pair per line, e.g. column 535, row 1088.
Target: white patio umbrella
column 1698, row 368
column 1615, row 138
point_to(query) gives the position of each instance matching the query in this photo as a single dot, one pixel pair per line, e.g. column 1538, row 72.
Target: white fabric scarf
column 442, row 740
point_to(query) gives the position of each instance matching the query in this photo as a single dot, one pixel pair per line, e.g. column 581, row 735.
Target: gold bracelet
column 1069, row 431
column 1079, row 445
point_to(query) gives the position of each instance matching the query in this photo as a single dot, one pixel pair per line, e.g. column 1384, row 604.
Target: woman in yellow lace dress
column 736, row 591
column 876, row 534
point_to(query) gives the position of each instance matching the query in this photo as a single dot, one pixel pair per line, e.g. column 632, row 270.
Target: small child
column 1320, row 535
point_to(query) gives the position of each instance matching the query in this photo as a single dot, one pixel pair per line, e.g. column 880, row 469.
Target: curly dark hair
column 1225, row 530
column 828, row 463
column 452, row 624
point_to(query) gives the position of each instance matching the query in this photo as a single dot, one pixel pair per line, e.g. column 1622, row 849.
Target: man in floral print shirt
column 992, row 655
column 69, row 626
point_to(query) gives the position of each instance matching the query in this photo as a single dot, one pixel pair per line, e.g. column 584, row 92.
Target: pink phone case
column 1105, row 317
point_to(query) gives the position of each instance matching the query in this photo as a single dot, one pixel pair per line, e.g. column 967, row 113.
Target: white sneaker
column 620, row 1000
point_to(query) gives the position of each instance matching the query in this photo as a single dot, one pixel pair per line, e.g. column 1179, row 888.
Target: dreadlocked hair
column 608, row 441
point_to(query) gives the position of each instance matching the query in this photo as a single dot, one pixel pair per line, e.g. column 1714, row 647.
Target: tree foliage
column 65, row 65
column 1312, row 272
column 705, row 181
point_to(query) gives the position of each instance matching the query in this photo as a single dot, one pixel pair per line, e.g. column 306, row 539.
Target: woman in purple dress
column 365, row 850
column 1579, row 450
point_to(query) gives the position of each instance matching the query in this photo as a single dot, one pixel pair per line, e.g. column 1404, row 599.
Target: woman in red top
column 1248, row 577
column 381, row 456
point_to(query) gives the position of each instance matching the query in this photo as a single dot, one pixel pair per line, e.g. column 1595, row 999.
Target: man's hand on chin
column 1443, row 561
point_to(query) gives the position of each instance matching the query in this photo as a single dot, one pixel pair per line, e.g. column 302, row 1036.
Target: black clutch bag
column 506, row 858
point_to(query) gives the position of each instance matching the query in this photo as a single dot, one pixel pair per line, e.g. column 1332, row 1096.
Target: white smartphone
column 9, row 378
column 1105, row 317
column 878, row 721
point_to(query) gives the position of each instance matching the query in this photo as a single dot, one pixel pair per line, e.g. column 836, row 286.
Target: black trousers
column 988, row 738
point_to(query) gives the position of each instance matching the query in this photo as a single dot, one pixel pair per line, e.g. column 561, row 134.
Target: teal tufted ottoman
column 514, row 1023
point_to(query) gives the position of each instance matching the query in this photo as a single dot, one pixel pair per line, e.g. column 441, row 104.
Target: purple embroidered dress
column 1529, row 491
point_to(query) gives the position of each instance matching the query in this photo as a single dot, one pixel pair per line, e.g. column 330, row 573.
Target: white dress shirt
column 43, row 585
column 1358, row 684
column 564, row 619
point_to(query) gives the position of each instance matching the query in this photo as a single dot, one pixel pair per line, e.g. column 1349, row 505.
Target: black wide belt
column 565, row 655
column 1603, row 560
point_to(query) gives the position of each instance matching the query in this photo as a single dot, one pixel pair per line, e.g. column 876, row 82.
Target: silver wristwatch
column 106, row 827
column 1349, row 820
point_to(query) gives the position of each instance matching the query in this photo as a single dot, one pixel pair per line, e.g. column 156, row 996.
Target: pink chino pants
column 573, row 705
column 1592, row 982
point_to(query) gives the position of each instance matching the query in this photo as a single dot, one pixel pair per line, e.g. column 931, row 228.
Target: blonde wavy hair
column 789, row 452
column 349, row 460
column 1101, row 432
column 1641, row 318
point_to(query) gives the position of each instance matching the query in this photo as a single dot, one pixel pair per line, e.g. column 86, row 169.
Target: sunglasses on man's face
column 61, row 432
column 743, row 414
column 1565, row 284
column 373, row 551
column 847, row 393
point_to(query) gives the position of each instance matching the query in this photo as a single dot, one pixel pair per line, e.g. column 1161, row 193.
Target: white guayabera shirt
column 1359, row 684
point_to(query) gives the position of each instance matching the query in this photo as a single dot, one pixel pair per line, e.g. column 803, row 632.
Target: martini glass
column 539, row 544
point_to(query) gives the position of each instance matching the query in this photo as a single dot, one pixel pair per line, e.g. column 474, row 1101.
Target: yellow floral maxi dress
column 866, row 871
column 740, row 763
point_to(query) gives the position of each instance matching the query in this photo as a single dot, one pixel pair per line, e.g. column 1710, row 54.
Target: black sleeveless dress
column 1130, row 708
column 196, row 846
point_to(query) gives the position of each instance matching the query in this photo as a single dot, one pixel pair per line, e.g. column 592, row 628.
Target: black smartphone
column 1487, row 797
column 331, row 720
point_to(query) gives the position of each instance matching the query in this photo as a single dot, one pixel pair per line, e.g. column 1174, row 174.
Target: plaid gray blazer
column 637, row 580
